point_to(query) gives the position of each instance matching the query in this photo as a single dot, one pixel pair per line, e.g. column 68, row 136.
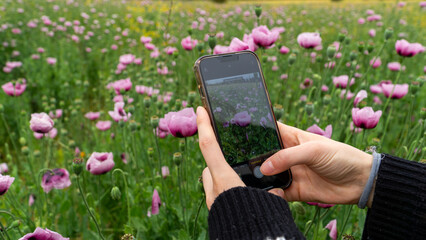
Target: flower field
column 98, row 134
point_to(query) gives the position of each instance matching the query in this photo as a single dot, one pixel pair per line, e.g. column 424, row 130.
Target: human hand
column 323, row 170
column 218, row 176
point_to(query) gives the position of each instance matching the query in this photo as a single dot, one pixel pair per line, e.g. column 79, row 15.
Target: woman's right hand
column 324, row 170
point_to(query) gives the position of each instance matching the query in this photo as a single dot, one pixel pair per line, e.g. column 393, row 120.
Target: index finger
column 209, row 146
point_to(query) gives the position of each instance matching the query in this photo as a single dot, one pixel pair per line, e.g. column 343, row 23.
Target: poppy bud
column 327, row 99
column 166, row 107
column 182, row 145
column 353, row 55
column 61, row 104
column 190, row 31
column 115, row 193
column 212, row 41
column 278, row 110
column 258, row 11
column 121, row 124
column 131, row 109
column 191, row 97
column 77, row 166
column 414, row 87
column 331, row 50
column 71, row 143
column 370, row 48
column 147, row 102
column 159, row 105
column 361, row 47
column 154, row 121
column 298, row 207
column 36, row 153
column 347, row 40
column 319, row 58
column 86, row 83
column 200, row 46
column 150, row 152
column 341, row 37
column 309, row 108
column 22, row 141
column 133, row 125
column 388, row 33
column 25, row 150
column 14, row 224
column 291, row 59
column 295, row 51
column 316, row 77
column 177, row 158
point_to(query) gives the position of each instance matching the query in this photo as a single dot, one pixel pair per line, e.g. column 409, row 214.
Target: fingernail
column 198, row 109
column 267, row 168
column 280, row 192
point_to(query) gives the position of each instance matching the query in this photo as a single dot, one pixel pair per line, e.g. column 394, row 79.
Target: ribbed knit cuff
column 399, row 205
column 250, row 213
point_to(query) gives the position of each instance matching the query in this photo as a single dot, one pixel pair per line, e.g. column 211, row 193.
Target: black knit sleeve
column 399, row 205
column 250, row 213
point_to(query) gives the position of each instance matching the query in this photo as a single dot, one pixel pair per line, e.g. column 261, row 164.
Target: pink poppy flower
column 317, row 130
column 263, row 37
column 241, row 119
column 309, row 40
column 324, row 88
column 284, row 50
column 156, row 203
column 321, row 205
column 41, row 123
column 218, row 49
column 100, row 163
column 188, row 43
column 92, row 115
column 137, row 61
column 372, row 32
column 332, row 226
column 378, row 87
column 361, row 21
column 14, row 90
column 44, row 234
column 5, row 182
column 360, row 96
column 377, row 100
column 51, row 61
column 394, row 66
column 375, row 63
column 170, row 50
column 366, row 117
column 127, row 59
column 348, row 95
column 407, row 49
column 149, row 46
column 119, row 114
column 237, row 45
column 31, row 200
column 145, row 40
column 165, row 172
column 103, row 125
column 354, row 129
column 122, row 84
column 56, row 114
column 248, row 38
column 342, row 81
column 395, row 90
column 179, row 124
column 3, row 168
column 58, row 178
column 306, row 83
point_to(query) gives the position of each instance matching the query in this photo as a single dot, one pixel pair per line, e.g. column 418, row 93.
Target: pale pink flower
column 51, row 60
column 100, row 163
column 41, row 123
column 348, row 95
column 262, row 36
column 360, row 96
column 407, row 49
column 145, row 40
column 343, row 81
column 394, row 66
column 309, row 40
column 395, row 90
column 14, row 89
column 188, row 43
column 92, row 115
column 332, row 226
column 58, row 178
column 103, row 125
column 375, row 62
column 284, row 50
column 365, row 117
column 317, row 130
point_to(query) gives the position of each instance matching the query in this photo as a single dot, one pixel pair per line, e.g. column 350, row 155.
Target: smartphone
column 233, row 90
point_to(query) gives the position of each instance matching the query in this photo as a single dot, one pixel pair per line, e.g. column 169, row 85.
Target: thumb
column 286, row 158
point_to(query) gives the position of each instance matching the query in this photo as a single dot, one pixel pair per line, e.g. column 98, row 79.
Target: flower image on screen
column 242, row 116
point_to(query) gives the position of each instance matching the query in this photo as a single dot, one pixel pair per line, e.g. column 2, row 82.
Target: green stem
column 88, row 209
column 196, row 217
column 313, row 219
column 375, row 59
column 346, row 221
column 180, row 194
column 13, row 142
column 3, row 229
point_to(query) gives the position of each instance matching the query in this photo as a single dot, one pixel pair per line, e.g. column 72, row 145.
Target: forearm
column 398, row 209
column 249, row 213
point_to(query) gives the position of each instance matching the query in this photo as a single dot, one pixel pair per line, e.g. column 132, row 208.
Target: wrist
column 367, row 195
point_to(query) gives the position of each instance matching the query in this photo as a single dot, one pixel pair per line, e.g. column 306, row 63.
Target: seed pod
column 353, row 56
column 291, row 59
column 154, row 121
column 177, row 158
column 331, row 50
column 147, row 101
column 14, row 224
column 388, row 33
column 150, row 152
column 309, row 108
column 22, row 141
column 341, row 37
column 77, row 166
column 182, row 145
column 200, row 46
column 258, row 11
column 191, row 97
column 25, row 150
column 212, row 41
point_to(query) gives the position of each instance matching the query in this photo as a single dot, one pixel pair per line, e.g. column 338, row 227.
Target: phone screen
column 242, row 115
